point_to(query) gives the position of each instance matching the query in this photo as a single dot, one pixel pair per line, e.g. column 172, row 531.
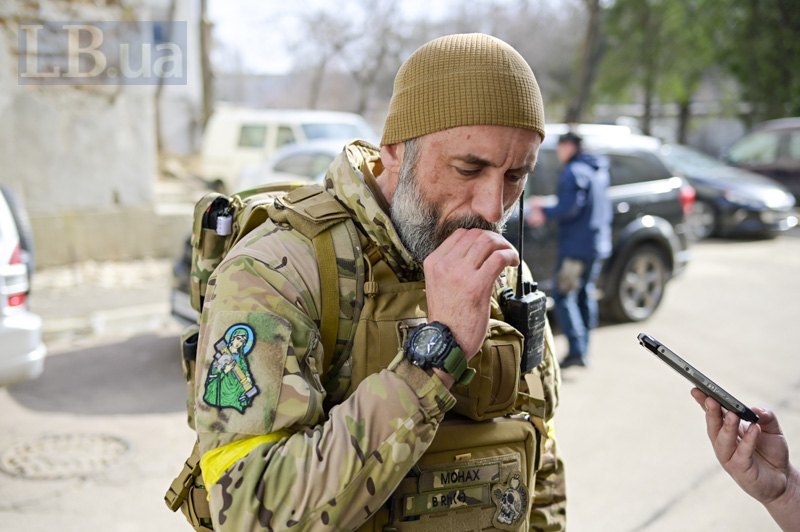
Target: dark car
column 730, row 201
column 771, row 149
column 650, row 244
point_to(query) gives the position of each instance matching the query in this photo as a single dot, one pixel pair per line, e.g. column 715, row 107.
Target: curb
column 125, row 321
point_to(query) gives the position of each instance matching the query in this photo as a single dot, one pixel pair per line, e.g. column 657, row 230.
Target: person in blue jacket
column 583, row 214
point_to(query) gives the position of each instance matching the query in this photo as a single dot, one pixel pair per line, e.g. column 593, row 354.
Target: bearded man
column 398, row 433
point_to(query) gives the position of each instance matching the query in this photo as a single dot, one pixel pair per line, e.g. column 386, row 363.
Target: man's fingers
column 452, row 242
column 767, row 421
column 481, row 246
column 713, row 418
column 727, row 437
column 747, row 445
column 498, row 261
column 699, row 396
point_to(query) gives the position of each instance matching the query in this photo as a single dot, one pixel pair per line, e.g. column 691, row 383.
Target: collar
column 351, row 179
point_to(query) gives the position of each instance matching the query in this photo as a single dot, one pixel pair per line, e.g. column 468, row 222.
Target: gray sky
column 259, row 31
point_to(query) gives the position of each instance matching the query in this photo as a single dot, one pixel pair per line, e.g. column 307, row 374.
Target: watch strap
column 456, row 364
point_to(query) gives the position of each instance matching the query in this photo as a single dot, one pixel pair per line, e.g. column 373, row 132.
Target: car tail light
column 687, row 197
column 18, row 298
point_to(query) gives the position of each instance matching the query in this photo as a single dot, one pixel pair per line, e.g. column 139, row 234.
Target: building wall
column 82, row 157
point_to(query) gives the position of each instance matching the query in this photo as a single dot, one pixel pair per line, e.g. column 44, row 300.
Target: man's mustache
column 448, row 227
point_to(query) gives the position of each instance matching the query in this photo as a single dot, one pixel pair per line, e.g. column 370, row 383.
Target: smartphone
column 706, row 385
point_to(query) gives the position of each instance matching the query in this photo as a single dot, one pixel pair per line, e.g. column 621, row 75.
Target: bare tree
column 160, row 86
column 591, row 54
column 326, row 35
column 376, row 50
column 205, row 63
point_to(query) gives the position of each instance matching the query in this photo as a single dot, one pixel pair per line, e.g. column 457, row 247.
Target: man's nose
column 487, row 199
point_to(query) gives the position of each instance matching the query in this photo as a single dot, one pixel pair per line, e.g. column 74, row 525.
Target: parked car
column 23, row 352
column 236, row 138
column 730, row 201
column 772, row 149
column 649, row 233
column 296, row 162
column 308, row 161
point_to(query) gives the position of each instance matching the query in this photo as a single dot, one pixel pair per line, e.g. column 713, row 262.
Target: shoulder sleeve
column 336, row 469
column 570, row 197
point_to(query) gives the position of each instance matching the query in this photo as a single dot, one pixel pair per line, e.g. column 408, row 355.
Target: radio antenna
column 519, row 243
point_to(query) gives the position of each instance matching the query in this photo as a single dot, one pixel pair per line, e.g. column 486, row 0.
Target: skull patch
column 511, row 500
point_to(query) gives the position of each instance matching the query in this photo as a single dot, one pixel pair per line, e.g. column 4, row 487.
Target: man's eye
column 516, row 178
column 468, row 172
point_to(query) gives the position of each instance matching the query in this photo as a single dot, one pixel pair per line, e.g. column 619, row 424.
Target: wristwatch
column 433, row 346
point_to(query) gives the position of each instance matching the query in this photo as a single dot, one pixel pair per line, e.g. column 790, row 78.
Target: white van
column 237, row 138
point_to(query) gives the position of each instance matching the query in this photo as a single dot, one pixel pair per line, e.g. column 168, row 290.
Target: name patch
column 440, row 501
column 459, row 477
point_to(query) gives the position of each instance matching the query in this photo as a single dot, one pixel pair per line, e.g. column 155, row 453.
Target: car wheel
column 702, row 221
column 638, row 285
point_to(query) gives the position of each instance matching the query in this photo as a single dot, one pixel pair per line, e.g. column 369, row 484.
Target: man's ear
column 392, row 160
column 392, row 157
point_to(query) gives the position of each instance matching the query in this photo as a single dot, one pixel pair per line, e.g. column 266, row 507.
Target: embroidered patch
column 511, row 500
column 229, row 383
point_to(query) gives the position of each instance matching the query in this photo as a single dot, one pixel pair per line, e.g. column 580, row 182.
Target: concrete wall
column 83, row 158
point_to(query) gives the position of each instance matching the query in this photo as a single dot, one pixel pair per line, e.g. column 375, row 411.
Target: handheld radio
column 526, row 309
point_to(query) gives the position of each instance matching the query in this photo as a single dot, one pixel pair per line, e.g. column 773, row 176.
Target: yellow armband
column 216, row 461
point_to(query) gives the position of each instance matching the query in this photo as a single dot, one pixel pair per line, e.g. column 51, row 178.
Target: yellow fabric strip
column 216, row 461
column 551, row 428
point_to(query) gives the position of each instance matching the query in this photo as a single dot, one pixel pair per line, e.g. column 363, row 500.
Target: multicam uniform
column 275, row 455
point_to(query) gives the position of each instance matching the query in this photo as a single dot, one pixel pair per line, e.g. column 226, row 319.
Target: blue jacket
column 584, row 210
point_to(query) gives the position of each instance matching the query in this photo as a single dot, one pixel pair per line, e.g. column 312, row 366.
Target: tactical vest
column 479, row 472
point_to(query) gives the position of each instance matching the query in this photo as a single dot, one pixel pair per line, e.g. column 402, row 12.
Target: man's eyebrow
column 478, row 161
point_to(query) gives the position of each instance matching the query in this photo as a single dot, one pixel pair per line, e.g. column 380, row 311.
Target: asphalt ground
column 634, row 441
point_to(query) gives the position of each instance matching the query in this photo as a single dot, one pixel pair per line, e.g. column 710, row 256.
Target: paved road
column 635, row 441
column 638, row 458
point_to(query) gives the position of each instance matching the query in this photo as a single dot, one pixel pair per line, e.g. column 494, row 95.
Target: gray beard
column 418, row 222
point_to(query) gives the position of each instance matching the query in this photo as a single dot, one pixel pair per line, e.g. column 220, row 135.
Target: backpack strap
column 320, row 217
column 329, row 283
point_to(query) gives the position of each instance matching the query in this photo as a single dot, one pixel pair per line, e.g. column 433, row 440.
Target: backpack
column 219, row 223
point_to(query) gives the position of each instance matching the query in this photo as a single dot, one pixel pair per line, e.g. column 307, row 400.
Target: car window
column 760, row 147
column 285, row 136
column 544, row 179
column 793, row 146
column 331, row 130
column 628, row 168
column 252, row 136
column 305, row 164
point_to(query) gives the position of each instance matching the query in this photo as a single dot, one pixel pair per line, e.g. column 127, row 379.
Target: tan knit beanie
column 463, row 80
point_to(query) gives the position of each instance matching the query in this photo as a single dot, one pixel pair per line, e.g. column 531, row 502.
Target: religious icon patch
column 230, row 383
column 511, row 500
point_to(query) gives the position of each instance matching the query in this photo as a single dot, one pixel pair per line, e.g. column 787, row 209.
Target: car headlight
column 779, row 200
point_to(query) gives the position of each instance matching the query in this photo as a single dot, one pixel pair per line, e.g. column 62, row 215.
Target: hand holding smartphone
column 706, row 385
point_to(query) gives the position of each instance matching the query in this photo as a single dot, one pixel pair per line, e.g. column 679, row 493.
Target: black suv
column 650, row 238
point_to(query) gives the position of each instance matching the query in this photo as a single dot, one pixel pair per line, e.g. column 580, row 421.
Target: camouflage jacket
column 258, row 373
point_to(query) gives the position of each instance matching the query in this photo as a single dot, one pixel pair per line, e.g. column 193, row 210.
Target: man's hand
column 757, row 457
column 460, row 276
column 535, row 215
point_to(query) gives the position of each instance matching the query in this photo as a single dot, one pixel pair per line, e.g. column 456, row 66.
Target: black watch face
column 428, row 344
